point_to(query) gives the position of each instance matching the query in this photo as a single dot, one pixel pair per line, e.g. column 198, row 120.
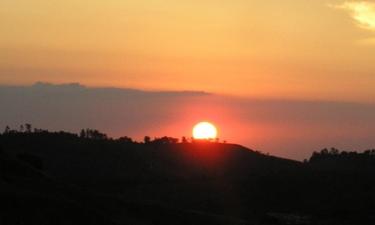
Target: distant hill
column 162, row 181
column 70, row 158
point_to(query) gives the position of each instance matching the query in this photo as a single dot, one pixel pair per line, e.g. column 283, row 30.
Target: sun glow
column 204, row 130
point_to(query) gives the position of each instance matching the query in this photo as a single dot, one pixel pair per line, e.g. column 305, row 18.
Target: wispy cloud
column 363, row 12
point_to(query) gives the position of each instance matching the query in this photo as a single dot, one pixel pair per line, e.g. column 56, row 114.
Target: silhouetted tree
column 146, row 139
column 82, row 134
column 334, row 151
column 28, row 128
column 165, row 140
column 95, row 134
column 184, row 140
column 324, row 151
column 36, row 130
column 370, row 152
column 125, row 139
column 7, row 130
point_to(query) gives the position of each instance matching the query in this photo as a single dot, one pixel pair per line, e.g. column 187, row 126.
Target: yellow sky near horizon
column 321, row 49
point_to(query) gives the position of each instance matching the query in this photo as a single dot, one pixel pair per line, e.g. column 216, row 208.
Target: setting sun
column 204, row 130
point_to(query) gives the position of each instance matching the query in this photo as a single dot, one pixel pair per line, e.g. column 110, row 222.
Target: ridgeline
column 88, row 178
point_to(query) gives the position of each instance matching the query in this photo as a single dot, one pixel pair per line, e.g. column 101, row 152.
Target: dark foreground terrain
column 62, row 178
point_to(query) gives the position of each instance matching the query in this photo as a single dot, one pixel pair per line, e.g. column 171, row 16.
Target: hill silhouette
column 65, row 178
column 72, row 106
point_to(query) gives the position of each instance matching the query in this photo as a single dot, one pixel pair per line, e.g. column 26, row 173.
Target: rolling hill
column 73, row 179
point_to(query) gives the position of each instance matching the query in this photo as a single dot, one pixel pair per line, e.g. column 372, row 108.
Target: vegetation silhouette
column 90, row 178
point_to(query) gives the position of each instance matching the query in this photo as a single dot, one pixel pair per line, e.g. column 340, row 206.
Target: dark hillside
column 67, row 156
column 163, row 181
column 28, row 196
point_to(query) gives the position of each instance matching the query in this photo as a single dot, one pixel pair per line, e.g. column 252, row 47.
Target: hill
column 166, row 182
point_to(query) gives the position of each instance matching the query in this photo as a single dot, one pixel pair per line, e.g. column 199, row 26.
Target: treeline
column 325, row 155
column 334, row 154
column 335, row 160
column 94, row 134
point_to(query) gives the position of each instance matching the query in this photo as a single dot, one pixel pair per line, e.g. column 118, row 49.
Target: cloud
column 363, row 12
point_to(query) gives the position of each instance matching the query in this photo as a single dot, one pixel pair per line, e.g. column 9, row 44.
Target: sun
column 205, row 131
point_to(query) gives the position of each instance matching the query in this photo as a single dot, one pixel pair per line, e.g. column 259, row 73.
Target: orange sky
column 321, row 49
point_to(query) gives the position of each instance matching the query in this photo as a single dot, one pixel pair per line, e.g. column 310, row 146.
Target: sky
column 307, row 66
column 295, row 49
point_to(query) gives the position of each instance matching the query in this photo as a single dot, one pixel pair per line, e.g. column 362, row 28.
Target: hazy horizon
column 287, row 128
